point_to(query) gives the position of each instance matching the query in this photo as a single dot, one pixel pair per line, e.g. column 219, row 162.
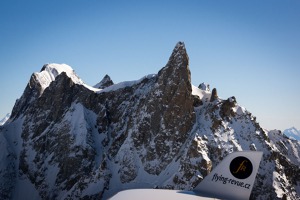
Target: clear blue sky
column 246, row 49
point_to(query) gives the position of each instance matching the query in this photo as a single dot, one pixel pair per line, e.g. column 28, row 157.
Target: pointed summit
column 177, row 71
column 179, row 56
column 105, row 82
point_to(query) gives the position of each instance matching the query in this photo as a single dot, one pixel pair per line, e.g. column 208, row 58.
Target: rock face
column 66, row 140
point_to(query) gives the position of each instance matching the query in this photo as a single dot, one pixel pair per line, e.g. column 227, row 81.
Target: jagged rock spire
column 171, row 112
column 179, row 55
column 177, row 67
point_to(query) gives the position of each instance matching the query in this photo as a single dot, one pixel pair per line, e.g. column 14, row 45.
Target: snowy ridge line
column 50, row 71
column 126, row 84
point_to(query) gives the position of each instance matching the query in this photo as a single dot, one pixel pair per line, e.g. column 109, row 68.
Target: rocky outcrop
column 214, row 95
column 227, row 107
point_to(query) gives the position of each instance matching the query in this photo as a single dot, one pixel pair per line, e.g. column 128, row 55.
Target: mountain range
column 68, row 140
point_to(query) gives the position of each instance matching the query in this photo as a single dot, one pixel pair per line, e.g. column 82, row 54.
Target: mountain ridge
column 69, row 140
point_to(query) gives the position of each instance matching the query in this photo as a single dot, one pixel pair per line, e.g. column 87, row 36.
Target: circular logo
column 241, row 167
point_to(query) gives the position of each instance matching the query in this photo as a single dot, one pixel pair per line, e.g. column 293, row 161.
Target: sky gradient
column 246, row 49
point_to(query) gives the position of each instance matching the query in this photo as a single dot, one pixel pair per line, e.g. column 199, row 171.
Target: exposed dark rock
column 31, row 92
column 170, row 104
column 214, row 95
column 226, row 109
column 197, row 101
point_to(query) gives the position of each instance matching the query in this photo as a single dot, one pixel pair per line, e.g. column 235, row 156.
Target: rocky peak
column 174, row 80
column 179, row 55
column 40, row 81
column 177, row 69
column 170, row 112
column 105, row 82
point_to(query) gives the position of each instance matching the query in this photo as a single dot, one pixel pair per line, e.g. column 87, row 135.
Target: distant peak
column 105, row 82
column 293, row 133
column 204, row 86
column 292, row 129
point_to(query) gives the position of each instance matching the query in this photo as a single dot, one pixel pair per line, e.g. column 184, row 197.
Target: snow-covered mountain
column 2, row 121
column 292, row 133
column 68, row 140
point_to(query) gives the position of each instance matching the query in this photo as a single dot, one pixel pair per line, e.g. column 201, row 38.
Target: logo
column 241, row 167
